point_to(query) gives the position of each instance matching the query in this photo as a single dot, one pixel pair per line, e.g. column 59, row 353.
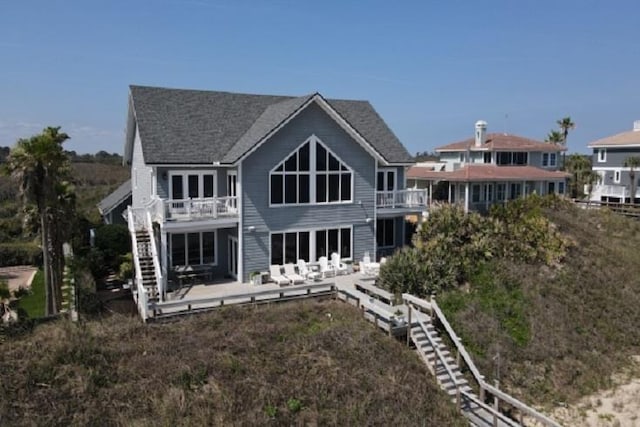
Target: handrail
column 490, row 409
column 154, row 256
column 408, row 197
column 484, row 386
column 142, row 298
column 207, row 207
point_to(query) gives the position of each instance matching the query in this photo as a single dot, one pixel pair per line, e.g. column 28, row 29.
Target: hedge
column 23, row 253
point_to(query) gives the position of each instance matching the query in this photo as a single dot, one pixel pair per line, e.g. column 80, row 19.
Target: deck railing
column 432, row 308
column 154, row 254
column 205, row 208
column 139, row 292
column 409, row 198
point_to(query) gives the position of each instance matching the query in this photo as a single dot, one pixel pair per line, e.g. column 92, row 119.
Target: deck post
column 409, row 325
column 496, row 406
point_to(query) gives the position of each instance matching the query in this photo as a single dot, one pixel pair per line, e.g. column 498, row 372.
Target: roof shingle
column 502, row 141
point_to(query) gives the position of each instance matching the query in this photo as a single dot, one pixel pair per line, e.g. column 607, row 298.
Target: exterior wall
column 115, row 216
column 221, row 269
column 255, row 188
column 140, row 175
column 615, row 156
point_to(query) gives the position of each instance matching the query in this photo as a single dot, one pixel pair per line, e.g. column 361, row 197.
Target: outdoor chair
column 290, row 273
column 326, row 270
column 369, row 268
column 276, row 276
column 305, row 271
column 337, row 264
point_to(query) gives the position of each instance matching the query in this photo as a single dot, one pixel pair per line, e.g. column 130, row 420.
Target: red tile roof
column 481, row 173
column 502, row 142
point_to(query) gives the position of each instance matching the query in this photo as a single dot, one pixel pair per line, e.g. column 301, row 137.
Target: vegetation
column 33, row 303
column 632, row 163
column 579, row 167
column 549, row 312
column 307, row 363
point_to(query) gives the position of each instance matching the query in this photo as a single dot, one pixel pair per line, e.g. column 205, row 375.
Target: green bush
column 23, row 253
column 113, row 241
column 5, row 293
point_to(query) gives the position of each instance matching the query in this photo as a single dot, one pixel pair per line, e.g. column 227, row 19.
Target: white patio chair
column 276, row 276
column 304, row 270
column 290, row 273
column 337, row 264
column 326, row 269
column 369, row 268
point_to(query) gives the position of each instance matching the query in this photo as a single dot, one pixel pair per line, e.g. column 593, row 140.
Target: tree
column 590, row 177
column 632, row 163
column 39, row 165
column 554, row 137
column 565, row 125
column 578, row 166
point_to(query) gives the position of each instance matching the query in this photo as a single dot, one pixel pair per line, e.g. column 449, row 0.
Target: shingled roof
column 500, row 142
column 118, row 196
column 179, row 126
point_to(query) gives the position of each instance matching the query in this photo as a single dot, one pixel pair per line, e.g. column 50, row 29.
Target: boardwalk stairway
column 145, row 259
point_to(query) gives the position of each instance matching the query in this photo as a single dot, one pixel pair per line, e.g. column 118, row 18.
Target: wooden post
column 496, row 406
column 481, row 392
column 409, row 325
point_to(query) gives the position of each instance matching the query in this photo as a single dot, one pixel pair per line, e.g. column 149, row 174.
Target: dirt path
column 17, row 276
column 619, row 406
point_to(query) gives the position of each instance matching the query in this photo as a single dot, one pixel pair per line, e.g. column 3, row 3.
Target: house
column 113, row 207
column 609, row 155
column 491, row 168
column 236, row 182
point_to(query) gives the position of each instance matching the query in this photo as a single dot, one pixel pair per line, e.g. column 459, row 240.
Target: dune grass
column 297, row 363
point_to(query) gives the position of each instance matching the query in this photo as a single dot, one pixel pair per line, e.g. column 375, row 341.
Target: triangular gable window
column 311, row 175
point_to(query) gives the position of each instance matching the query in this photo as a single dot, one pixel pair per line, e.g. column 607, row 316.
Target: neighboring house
column 492, row 168
column 609, row 155
column 237, row 182
column 113, row 207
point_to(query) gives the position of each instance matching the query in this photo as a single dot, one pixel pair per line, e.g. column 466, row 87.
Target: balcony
column 402, row 201
column 194, row 209
column 618, row 191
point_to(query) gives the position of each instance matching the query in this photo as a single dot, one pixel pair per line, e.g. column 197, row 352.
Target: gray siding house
column 237, row 182
column 608, row 161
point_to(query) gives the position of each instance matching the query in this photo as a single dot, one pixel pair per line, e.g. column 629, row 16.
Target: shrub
column 5, row 293
column 20, row 254
column 113, row 241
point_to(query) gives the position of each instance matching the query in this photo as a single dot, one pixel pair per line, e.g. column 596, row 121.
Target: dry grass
column 286, row 364
column 582, row 315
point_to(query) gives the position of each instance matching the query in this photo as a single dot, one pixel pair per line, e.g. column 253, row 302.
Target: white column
column 449, row 191
column 466, row 197
column 239, row 193
column 164, row 260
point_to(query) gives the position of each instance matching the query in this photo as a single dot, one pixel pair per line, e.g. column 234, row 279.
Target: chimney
column 481, row 133
column 636, row 126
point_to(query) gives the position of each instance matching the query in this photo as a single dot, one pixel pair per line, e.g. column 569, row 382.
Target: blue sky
column 431, row 69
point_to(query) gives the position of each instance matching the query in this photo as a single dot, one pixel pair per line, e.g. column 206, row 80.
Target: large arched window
column 312, row 174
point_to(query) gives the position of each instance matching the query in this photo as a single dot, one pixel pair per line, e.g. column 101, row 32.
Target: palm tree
column 38, row 165
column 554, row 137
column 578, row 166
column 565, row 125
column 589, row 178
column 632, row 163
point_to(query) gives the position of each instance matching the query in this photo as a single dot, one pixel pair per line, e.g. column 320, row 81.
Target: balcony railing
column 607, row 190
column 194, row 209
column 410, row 198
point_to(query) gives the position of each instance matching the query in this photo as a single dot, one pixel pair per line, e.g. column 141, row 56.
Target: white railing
column 609, row 190
column 432, row 308
column 409, row 198
column 211, row 207
column 139, row 292
column 154, row 255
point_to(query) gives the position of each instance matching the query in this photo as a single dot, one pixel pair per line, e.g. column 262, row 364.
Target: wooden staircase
column 145, row 259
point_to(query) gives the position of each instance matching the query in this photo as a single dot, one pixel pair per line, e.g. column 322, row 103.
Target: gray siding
column 140, row 175
column 615, row 157
column 265, row 219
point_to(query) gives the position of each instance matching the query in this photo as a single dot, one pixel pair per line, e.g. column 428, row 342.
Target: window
column 487, row 157
column 386, row 180
column 475, row 193
column 602, row 155
column 616, row 176
column 312, row 170
column 561, row 187
column 516, row 190
column 551, row 187
column 193, row 248
column 505, row 158
column 385, row 233
column 333, row 240
column 289, row 247
column 549, row 159
column 488, row 192
column 501, row 190
column 192, row 185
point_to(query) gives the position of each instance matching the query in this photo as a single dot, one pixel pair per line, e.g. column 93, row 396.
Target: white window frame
column 602, row 155
column 488, row 192
column 616, row 176
column 385, row 179
column 185, row 182
column 313, row 257
column 501, row 191
column 313, row 173
column 393, row 228
column 186, row 247
column 549, row 160
column 473, row 189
